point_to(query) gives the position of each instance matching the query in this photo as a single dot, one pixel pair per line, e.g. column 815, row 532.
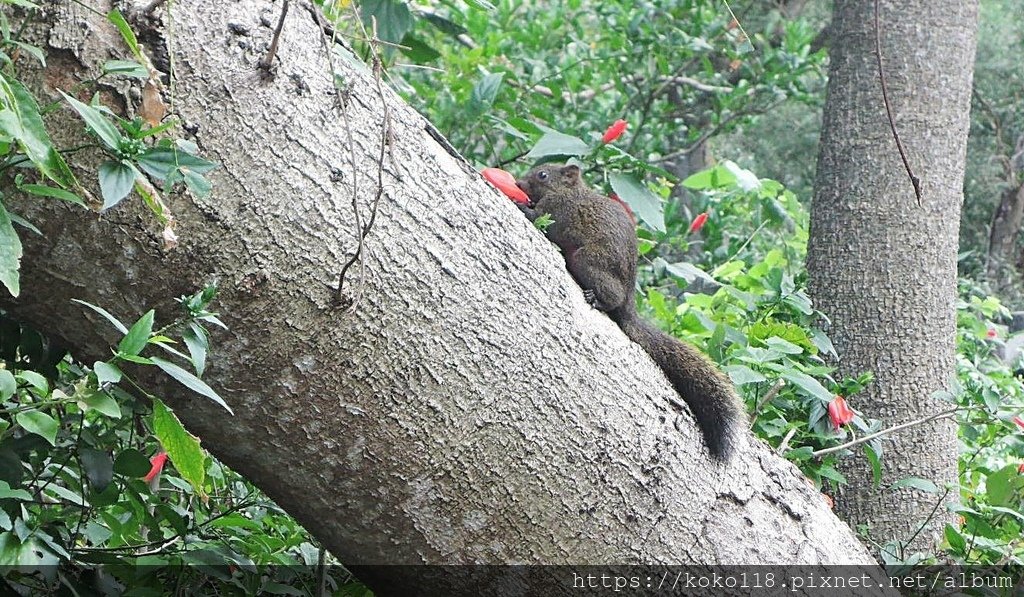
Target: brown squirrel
column 598, row 240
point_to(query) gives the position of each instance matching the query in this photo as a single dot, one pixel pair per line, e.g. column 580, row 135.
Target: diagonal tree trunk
column 881, row 268
column 470, row 407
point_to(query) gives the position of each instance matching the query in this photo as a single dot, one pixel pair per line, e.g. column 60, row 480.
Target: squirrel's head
column 543, row 179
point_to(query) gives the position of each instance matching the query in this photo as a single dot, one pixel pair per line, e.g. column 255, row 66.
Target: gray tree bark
column 881, row 268
column 1003, row 255
column 471, row 408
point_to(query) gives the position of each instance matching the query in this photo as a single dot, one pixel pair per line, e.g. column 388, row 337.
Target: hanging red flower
column 158, row 462
column 614, row 131
column 506, row 183
column 698, row 222
column 839, row 412
column 1019, row 421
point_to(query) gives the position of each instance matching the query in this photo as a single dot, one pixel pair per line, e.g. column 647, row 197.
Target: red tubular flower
column 1020, row 469
column 158, row 465
column 698, row 222
column 506, row 183
column 839, row 412
column 991, row 333
column 1019, row 421
column 614, row 131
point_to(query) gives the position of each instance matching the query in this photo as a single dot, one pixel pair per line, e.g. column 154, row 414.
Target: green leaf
column 22, row 3
column 875, row 460
column 117, row 324
column 97, row 123
column 741, row 374
column 197, row 183
column 809, row 385
column 745, row 179
column 197, row 343
column 136, row 338
column 955, row 539
column 35, row 380
column 32, row 51
column 127, row 34
column 802, row 453
column 554, row 143
column 645, row 204
column 916, row 483
column 160, row 162
column 21, row 120
column 128, row 68
column 1009, row 511
column 182, row 447
column 116, row 180
column 39, row 423
column 715, row 177
column 101, row 402
column 20, row 221
column 131, row 463
column 98, row 467
column 136, row 359
column 106, row 372
column 10, row 253
column 6, row 493
column 418, row 50
column 1001, row 486
column 450, row 28
column 393, row 18
column 47, row 191
column 190, row 381
column 66, row 494
column 689, row 272
column 485, row 91
column 7, row 384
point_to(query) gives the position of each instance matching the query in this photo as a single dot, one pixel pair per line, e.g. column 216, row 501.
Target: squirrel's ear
column 571, row 172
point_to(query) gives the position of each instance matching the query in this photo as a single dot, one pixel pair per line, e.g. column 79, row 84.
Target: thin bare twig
column 888, row 110
column 785, row 442
column 268, row 60
column 342, row 99
column 772, row 391
column 933, row 417
column 386, row 143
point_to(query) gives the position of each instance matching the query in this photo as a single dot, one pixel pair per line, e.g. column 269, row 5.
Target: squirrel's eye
column 542, row 175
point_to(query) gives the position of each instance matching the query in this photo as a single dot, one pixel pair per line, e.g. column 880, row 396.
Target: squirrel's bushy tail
column 708, row 392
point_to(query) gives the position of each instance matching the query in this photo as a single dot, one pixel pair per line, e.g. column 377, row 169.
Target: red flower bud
column 839, row 412
column 614, row 131
column 698, row 222
column 506, row 183
column 158, row 465
column 1019, row 421
column 991, row 333
column 1020, row 469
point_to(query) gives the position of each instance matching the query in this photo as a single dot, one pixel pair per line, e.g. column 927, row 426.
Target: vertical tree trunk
column 881, row 268
column 1006, row 222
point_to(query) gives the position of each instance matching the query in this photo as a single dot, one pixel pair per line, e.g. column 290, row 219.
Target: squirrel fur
column 598, row 239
